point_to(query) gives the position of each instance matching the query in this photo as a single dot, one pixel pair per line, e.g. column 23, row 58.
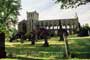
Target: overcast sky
column 47, row 9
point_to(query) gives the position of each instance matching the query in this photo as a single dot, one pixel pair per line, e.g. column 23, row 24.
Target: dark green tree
column 71, row 3
column 8, row 10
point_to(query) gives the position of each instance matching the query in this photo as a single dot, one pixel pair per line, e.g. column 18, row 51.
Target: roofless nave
column 33, row 22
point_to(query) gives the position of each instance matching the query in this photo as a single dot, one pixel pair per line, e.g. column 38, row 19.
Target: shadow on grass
column 37, row 47
column 81, row 55
column 77, row 49
column 53, row 51
column 22, row 58
column 80, row 48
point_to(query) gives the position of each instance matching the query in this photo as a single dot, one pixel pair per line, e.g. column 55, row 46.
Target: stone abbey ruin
column 53, row 25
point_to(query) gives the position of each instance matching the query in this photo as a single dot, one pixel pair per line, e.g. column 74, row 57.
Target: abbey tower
column 32, row 19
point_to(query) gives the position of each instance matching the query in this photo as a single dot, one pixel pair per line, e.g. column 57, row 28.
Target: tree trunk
column 33, row 42
column 61, row 32
column 46, row 44
column 33, row 38
column 45, row 36
column 61, row 38
column 2, row 45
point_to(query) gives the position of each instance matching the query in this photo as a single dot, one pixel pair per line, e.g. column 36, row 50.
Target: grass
column 81, row 46
column 18, row 51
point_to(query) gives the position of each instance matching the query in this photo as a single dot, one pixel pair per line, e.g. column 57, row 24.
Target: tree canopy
column 71, row 3
column 9, row 9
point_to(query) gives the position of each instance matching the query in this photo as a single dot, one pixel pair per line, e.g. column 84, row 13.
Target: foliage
column 86, row 26
column 84, row 30
column 8, row 10
column 71, row 3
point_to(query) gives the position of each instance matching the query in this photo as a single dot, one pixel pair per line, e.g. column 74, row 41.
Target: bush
column 84, row 31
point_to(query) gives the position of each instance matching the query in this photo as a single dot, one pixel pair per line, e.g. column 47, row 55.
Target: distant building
column 33, row 22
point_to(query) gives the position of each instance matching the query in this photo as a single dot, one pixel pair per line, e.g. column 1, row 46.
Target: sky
column 48, row 9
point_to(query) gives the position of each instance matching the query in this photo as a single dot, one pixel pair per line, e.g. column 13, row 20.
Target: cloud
column 55, row 12
column 37, row 4
column 31, row 5
column 85, row 18
column 47, row 9
column 84, row 13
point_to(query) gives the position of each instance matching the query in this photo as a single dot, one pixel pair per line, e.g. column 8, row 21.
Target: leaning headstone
column 67, row 52
column 2, row 45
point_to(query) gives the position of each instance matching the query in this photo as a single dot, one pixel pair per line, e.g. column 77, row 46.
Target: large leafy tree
column 8, row 11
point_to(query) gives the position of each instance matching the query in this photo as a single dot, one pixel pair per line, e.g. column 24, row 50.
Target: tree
column 45, row 37
column 65, row 4
column 8, row 9
column 71, row 3
column 61, row 32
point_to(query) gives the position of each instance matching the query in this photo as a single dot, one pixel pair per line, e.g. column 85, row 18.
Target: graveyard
column 44, row 30
column 79, row 46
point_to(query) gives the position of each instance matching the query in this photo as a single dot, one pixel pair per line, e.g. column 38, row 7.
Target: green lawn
column 78, row 45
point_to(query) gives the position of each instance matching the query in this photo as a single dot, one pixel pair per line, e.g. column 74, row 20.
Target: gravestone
column 2, row 45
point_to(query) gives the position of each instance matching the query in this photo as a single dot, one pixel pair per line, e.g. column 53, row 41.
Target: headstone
column 67, row 52
column 2, row 45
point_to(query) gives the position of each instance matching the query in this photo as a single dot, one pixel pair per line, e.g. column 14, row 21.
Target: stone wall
column 32, row 22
